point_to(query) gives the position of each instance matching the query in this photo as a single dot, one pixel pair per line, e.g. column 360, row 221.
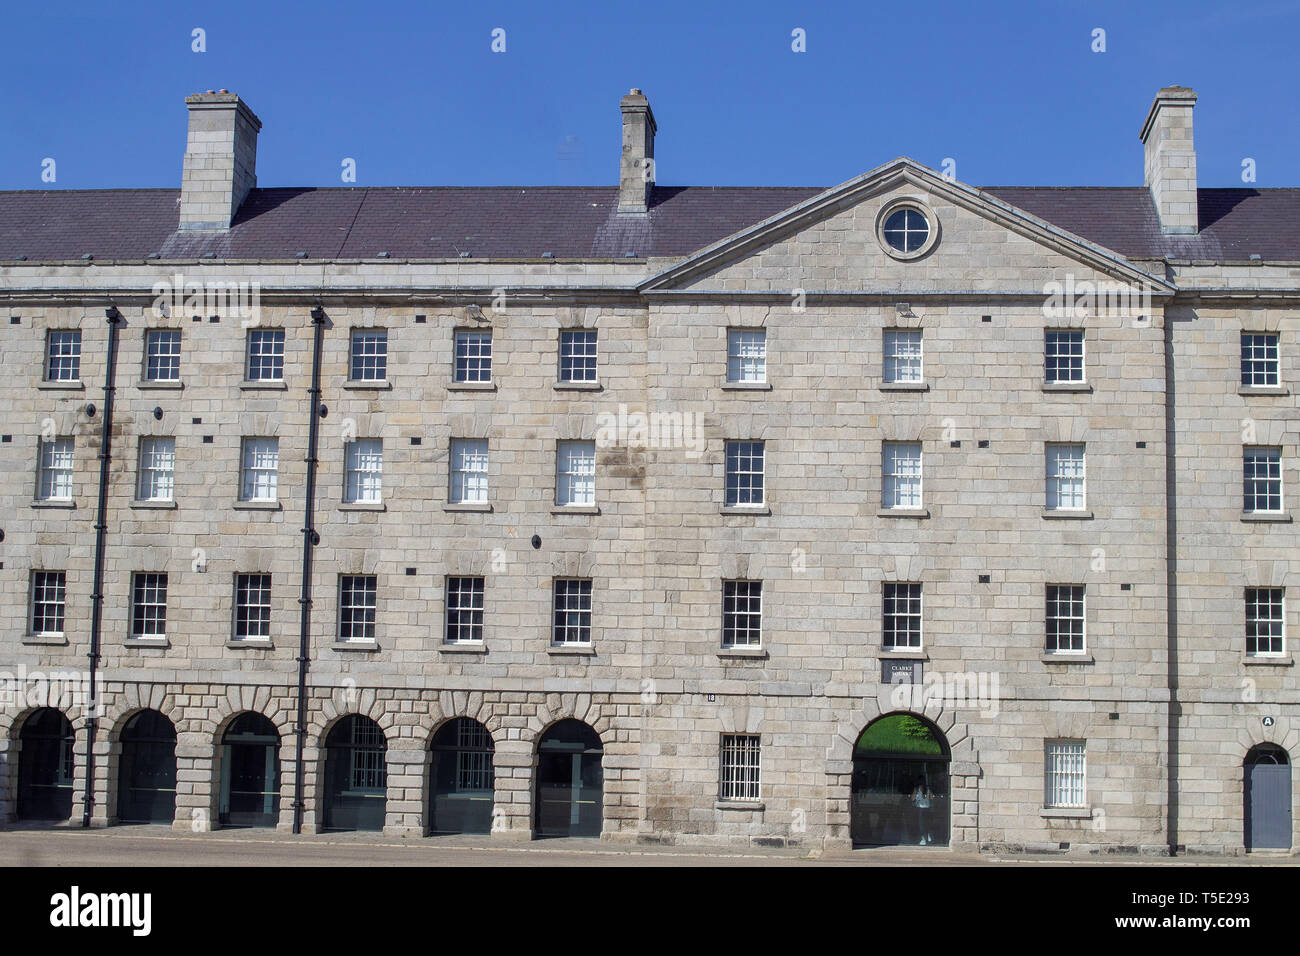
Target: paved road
column 158, row 846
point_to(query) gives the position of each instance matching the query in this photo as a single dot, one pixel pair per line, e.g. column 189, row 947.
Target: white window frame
column 1053, row 599
column 154, row 482
column 904, row 357
column 579, row 349
column 467, row 483
column 890, row 591
column 259, row 477
column 741, row 454
column 66, row 359
column 1251, row 481
column 747, row 356
column 1059, row 354
column 1059, row 480
column 575, row 474
column 249, row 605
column 357, row 615
column 901, row 476
column 265, row 358
column 471, row 362
column 1279, row 621
column 372, row 359
column 52, row 591
column 150, row 584
column 1256, row 363
column 363, row 471
column 56, row 468
column 154, row 357
column 740, row 768
column 1065, row 774
column 467, row 601
column 570, row 618
column 742, row 614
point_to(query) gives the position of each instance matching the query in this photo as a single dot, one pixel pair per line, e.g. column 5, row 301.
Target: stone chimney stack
column 637, row 168
column 220, row 160
column 1171, row 159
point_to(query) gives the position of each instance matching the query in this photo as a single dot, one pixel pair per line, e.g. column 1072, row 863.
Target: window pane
column 469, row 471
column 261, row 465
column 1259, row 359
column 473, row 356
column 369, row 355
column 48, row 596
column 364, row 471
column 163, row 355
column 742, row 607
column 252, row 605
column 1065, row 774
column 157, row 469
column 1064, row 617
column 1063, row 354
column 1265, row 621
column 63, row 356
column 357, row 602
column 571, row 623
column 902, row 355
column 575, row 473
column 265, row 355
column 55, row 478
column 464, row 610
column 901, row 615
column 1065, row 477
column 744, row 473
column 739, row 767
column 901, row 475
column 1262, row 479
column 149, row 606
column 578, row 355
column 746, row 355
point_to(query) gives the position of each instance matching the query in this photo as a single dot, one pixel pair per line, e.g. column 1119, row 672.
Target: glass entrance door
column 45, row 767
column 901, row 789
column 250, row 773
column 570, row 782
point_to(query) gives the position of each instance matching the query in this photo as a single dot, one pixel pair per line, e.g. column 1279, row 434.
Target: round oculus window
column 906, row 230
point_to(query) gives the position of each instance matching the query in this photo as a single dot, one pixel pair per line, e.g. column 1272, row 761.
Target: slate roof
column 574, row 222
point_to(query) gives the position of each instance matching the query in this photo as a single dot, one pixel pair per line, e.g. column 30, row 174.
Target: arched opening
column 901, row 787
column 356, row 775
column 250, row 773
column 146, row 780
column 570, row 781
column 461, row 778
column 45, row 766
column 1267, row 812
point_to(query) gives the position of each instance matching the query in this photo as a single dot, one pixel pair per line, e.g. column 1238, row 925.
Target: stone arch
column 137, row 697
column 1252, row 733
column 342, row 702
column 558, row 707
column 451, row 704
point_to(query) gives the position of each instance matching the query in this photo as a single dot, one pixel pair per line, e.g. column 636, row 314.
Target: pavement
column 162, row 846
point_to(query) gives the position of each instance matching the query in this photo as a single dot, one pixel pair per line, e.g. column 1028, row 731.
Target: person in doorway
column 921, row 800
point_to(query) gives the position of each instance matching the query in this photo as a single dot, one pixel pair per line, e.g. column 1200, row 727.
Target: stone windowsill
column 1061, row 514
column 573, row 650
column 471, row 386
column 747, row 387
column 479, row 506
column 1067, row 387
column 1268, row 660
column 256, row 505
column 157, row 642
column 153, row 505
column 885, row 655
column 251, row 643
column 60, row 640
column 54, row 504
column 1066, row 813
column 751, row 805
column 1066, row 657
column 742, row 653
column 73, row 386
column 746, row 510
column 1263, row 390
column 904, row 386
column 378, row 385
column 159, row 385
column 260, row 386
column 903, row 513
column 363, row 506
column 578, row 387
column 355, row 645
column 466, row 647
column 1265, row 517
column 575, row 510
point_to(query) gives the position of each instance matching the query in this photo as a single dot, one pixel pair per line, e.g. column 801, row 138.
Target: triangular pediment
column 833, row 242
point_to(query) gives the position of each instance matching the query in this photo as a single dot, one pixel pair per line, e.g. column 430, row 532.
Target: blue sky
column 1012, row 91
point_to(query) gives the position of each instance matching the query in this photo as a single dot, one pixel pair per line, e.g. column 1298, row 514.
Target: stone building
column 897, row 512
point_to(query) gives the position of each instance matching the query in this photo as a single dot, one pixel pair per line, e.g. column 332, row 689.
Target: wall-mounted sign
column 901, row 672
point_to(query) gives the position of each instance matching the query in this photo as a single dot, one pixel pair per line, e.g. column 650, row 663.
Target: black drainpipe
column 101, row 540
column 309, row 541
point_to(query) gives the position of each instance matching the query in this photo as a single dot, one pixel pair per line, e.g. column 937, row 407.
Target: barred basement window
column 1065, row 478
column 1265, row 621
column 364, row 472
column 901, row 475
column 369, row 361
column 157, row 469
column 571, row 623
column 578, row 355
column 464, row 617
column 902, row 356
column 1259, row 359
column 149, row 606
column 473, row 356
column 63, row 355
column 266, row 355
column 1063, row 355
column 742, row 613
column 1261, row 479
column 901, row 616
column 54, row 478
column 744, row 473
column 261, row 469
column 162, row 355
column 49, row 593
column 252, row 606
column 358, row 598
column 739, row 763
column 1065, row 621
column 575, row 473
column 469, row 471
column 1065, row 783
column 369, row 770
column 746, row 355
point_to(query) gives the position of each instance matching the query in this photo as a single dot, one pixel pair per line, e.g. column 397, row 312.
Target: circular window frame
column 916, row 205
